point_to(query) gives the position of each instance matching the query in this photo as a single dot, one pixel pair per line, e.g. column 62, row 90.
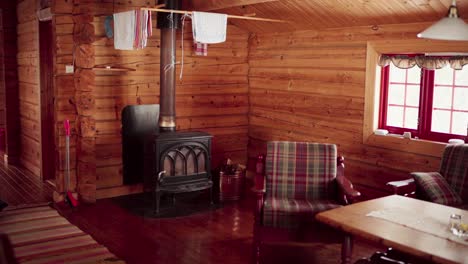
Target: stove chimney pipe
column 168, row 23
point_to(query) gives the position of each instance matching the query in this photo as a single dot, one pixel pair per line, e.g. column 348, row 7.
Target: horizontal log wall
column 64, row 90
column 29, row 85
column 310, row 86
column 212, row 95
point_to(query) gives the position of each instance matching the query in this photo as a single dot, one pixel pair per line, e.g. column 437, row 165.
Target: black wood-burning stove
column 177, row 162
column 173, row 162
column 166, row 162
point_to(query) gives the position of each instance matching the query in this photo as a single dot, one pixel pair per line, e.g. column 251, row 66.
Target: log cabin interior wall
column 212, row 95
column 258, row 86
column 310, row 86
column 28, row 85
column 64, row 90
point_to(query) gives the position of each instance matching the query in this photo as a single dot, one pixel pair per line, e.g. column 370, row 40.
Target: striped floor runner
column 41, row 235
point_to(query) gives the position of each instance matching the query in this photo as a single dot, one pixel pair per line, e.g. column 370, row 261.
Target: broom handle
column 66, row 125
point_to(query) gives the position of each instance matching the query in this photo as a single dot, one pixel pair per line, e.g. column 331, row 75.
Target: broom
column 68, row 195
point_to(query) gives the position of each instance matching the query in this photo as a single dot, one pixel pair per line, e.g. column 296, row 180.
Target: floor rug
column 41, row 235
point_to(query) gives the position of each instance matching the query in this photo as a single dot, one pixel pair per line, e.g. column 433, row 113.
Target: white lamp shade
column 448, row 28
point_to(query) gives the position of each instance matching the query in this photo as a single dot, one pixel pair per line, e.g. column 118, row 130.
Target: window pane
column 397, row 74
column 461, row 77
column 442, row 97
column 414, row 75
column 396, row 93
column 460, row 99
column 444, row 76
column 412, row 95
column 395, row 116
column 411, row 118
column 440, row 121
column 460, row 123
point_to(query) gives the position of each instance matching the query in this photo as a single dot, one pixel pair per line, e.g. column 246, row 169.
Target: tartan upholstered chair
column 448, row 186
column 302, row 179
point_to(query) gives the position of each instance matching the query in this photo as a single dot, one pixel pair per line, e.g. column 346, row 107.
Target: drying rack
column 158, row 9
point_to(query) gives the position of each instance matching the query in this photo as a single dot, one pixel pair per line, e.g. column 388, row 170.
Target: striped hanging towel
column 200, row 49
column 143, row 28
column 132, row 29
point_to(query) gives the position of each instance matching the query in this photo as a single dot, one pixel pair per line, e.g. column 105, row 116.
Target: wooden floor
column 19, row 187
column 221, row 235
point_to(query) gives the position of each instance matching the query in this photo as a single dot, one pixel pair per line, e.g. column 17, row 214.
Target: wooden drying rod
column 229, row 16
column 106, row 15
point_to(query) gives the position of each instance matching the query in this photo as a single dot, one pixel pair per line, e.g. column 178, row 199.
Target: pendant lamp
column 450, row 27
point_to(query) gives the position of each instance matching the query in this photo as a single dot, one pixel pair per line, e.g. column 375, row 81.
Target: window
column 431, row 104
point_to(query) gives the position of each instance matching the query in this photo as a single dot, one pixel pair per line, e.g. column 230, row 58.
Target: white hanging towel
column 209, row 27
column 124, row 30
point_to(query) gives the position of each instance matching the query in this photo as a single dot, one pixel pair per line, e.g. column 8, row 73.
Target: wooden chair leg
column 347, row 249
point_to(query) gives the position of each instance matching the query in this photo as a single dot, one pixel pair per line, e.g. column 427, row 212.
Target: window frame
column 431, row 135
column 384, row 86
column 374, row 48
column 423, row 130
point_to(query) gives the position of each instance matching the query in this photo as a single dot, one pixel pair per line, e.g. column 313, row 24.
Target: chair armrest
column 260, row 172
column 258, row 191
column 404, row 187
column 348, row 193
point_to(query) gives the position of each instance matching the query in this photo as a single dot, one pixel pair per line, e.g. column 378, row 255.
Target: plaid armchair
column 302, row 179
column 448, row 186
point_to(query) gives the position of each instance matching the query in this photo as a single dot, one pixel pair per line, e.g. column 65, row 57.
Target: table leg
column 347, row 249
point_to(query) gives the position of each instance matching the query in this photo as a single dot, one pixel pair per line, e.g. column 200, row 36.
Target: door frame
column 46, row 73
column 3, row 150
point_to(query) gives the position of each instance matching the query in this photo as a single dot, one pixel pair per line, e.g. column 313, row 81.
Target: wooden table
column 352, row 219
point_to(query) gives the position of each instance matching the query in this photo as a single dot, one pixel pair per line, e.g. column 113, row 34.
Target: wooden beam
column 209, row 5
column 229, row 16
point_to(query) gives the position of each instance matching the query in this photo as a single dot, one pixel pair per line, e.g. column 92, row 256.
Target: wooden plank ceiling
column 322, row 14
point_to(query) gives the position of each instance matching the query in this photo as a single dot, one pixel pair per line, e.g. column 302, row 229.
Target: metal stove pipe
column 168, row 23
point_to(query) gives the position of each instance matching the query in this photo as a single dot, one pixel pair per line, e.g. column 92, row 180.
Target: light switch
column 69, row 69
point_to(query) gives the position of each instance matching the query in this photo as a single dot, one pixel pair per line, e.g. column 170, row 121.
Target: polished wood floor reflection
column 223, row 235
column 19, row 187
